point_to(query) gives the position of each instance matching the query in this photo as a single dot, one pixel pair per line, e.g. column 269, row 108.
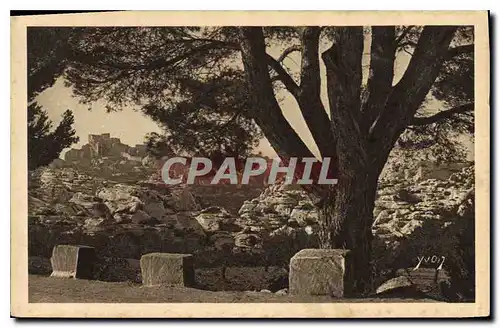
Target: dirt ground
column 43, row 289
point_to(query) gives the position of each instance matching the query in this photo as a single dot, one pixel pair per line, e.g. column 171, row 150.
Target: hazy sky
column 131, row 126
column 128, row 125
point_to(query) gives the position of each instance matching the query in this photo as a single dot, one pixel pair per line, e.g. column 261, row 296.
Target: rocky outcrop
column 215, row 219
column 402, row 206
column 278, row 208
column 68, row 206
column 127, row 220
column 284, row 214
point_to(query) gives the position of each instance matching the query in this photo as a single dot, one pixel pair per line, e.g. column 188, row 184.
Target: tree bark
column 382, row 56
column 309, row 97
column 346, row 217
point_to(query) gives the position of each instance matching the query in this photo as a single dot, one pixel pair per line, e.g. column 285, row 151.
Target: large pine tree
column 358, row 126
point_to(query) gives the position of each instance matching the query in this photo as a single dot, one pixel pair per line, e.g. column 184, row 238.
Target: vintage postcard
column 251, row 164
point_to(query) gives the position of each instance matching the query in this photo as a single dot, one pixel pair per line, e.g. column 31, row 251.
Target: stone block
column 73, row 261
column 167, row 269
column 321, row 272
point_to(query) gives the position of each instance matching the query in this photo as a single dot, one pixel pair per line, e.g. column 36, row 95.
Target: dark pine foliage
column 47, row 53
column 45, row 144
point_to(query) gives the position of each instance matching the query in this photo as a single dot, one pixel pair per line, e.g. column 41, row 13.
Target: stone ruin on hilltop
column 104, row 145
column 109, row 158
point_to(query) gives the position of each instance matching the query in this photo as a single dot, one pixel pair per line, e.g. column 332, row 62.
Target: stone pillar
column 321, row 272
column 167, row 269
column 71, row 261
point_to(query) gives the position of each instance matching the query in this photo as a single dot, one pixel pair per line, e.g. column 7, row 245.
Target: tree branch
column 455, row 51
column 402, row 35
column 288, row 51
column 309, row 98
column 408, row 94
column 266, row 110
column 267, row 113
column 407, row 43
column 382, row 56
column 446, row 114
column 154, row 64
column 308, row 94
column 283, row 76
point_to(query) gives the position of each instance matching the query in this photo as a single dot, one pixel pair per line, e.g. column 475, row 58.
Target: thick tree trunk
column 346, row 218
column 360, row 135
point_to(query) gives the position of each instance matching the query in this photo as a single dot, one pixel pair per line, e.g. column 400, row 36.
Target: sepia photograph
column 264, row 164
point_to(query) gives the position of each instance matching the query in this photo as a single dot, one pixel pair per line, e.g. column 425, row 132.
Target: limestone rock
column 411, row 226
column 247, row 240
column 69, row 261
column 92, row 206
column 124, row 196
column 189, row 225
column 58, row 164
column 304, row 216
column 149, row 161
column 248, row 206
column 121, row 218
column 93, row 224
column 398, row 283
column 383, row 217
column 405, row 196
column 284, row 231
column 321, row 272
column 283, row 209
column 214, row 219
column 282, row 292
column 167, row 269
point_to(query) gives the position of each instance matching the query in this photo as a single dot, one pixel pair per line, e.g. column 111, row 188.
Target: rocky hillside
column 401, row 206
column 66, row 205
column 125, row 220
